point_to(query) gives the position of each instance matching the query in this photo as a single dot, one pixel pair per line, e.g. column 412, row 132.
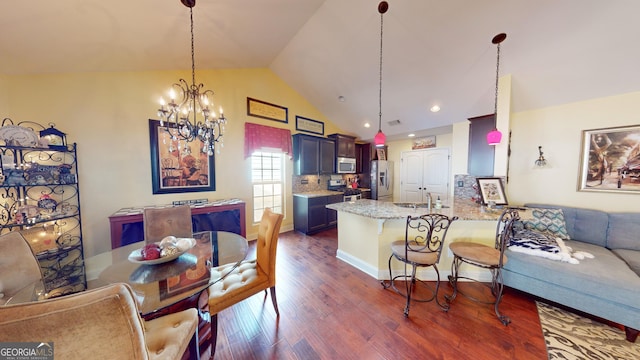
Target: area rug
column 571, row 336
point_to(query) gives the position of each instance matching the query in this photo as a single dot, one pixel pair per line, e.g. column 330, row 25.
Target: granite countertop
column 464, row 210
column 318, row 193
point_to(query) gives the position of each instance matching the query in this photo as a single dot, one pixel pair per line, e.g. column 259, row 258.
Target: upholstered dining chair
column 103, row 323
column 18, row 265
column 423, row 241
column 251, row 276
column 485, row 257
column 161, row 222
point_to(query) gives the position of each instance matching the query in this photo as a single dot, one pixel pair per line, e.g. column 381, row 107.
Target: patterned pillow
column 534, row 243
column 546, row 221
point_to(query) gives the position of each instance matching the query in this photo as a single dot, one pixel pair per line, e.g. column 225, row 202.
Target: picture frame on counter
column 309, row 125
column 492, row 191
column 610, row 160
column 265, row 110
column 174, row 172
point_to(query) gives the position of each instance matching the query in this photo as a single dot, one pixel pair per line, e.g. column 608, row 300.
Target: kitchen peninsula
column 366, row 228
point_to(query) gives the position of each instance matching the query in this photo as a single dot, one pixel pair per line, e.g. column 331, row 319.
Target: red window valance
column 257, row 137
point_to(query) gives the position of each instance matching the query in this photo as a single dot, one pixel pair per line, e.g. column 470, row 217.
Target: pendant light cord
column 495, row 100
column 380, row 85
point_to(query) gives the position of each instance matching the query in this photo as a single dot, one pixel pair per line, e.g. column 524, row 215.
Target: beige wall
column 107, row 115
column 558, row 130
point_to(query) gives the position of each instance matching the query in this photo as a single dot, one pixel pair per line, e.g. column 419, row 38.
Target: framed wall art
column 265, row 110
column 610, row 160
column 309, row 125
column 174, row 171
column 491, row 190
column 424, row 143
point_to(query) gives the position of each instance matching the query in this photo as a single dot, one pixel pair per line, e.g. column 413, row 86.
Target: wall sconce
column 541, row 162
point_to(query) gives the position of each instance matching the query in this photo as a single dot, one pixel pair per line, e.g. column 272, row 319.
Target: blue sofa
column 607, row 286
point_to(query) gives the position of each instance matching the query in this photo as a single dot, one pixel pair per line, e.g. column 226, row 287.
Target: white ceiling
column 435, row 51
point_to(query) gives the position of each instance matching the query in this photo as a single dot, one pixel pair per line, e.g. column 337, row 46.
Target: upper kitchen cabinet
column 313, row 155
column 481, row 154
column 345, row 145
column 363, row 158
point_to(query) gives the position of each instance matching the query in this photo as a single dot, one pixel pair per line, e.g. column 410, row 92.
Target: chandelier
column 494, row 136
column 192, row 117
column 380, row 137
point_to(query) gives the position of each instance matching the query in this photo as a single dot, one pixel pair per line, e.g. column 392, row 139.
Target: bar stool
column 423, row 241
column 486, row 257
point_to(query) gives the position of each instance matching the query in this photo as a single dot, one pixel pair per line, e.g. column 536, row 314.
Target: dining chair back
column 421, row 247
column 161, row 222
column 487, row 257
column 18, row 265
column 103, row 323
column 251, row 276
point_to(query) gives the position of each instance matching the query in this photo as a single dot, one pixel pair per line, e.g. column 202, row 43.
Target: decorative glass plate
column 14, row 135
column 136, row 256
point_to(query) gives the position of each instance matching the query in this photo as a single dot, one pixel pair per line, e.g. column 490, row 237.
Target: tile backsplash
column 468, row 189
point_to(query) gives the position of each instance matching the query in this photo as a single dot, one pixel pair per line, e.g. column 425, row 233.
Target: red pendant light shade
column 493, row 137
column 379, row 139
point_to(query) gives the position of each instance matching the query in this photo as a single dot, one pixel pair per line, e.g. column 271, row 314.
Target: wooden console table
column 127, row 227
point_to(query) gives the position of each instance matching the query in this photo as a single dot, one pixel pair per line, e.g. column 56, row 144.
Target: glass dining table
column 170, row 286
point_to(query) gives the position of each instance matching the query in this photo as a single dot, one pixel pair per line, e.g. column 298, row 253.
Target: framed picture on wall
column 610, row 160
column 491, row 190
column 174, row 170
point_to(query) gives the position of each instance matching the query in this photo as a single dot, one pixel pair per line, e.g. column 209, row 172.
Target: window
column 267, row 179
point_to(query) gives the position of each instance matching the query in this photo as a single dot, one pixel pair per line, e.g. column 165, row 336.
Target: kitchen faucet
column 429, row 201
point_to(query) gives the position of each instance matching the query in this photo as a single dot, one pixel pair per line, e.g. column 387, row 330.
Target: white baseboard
column 425, row 274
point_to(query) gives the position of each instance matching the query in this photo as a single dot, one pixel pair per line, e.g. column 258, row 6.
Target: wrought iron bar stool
column 486, row 257
column 423, row 241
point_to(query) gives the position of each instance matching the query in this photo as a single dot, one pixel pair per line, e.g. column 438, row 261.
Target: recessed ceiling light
column 367, row 125
column 412, row 135
column 341, row 98
column 435, row 108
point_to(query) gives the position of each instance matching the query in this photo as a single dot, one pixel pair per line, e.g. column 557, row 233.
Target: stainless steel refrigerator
column 382, row 180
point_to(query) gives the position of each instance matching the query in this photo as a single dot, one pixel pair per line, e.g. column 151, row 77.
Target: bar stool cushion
column 398, row 249
column 478, row 253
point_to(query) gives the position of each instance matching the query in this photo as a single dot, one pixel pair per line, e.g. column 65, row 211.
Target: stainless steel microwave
column 346, row 165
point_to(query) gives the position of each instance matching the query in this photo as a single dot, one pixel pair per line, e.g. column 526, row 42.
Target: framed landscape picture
column 176, row 171
column 610, row 160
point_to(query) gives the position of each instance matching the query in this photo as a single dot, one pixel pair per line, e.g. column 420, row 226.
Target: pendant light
column 494, row 136
column 380, row 137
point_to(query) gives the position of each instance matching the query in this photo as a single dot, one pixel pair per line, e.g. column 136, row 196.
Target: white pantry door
column 422, row 172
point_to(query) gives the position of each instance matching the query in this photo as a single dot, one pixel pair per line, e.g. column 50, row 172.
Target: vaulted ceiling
column 435, row 52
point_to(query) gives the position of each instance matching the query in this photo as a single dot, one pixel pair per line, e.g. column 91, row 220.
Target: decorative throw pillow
column 546, row 221
column 535, row 243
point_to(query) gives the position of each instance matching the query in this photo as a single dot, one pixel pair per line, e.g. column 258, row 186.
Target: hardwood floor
column 330, row 310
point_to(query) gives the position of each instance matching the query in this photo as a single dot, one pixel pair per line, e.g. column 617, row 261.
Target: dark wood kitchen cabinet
column 313, row 155
column 481, row 154
column 363, row 158
column 345, row 145
column 310, row 214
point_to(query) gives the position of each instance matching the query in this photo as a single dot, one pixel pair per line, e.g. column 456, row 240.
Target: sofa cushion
column 586, row 225
column 546, row 221
column 631, row 257
column 624, row 231
column 606, row 276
